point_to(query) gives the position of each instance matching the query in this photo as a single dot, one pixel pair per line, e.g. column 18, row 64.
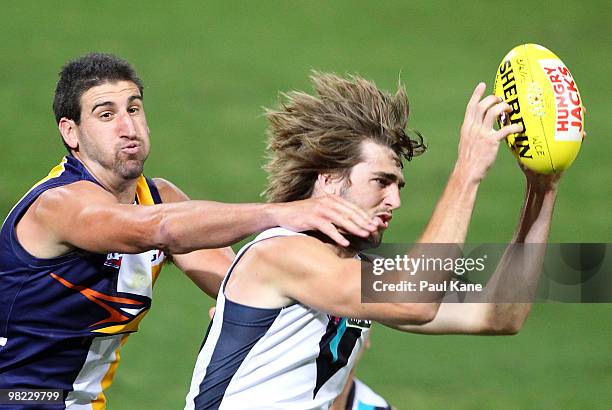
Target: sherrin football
column 546, row 102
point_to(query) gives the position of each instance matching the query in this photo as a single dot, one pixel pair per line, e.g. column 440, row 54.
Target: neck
column 124, row 190
column 348, row 252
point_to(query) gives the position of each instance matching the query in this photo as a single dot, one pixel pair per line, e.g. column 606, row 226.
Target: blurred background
column 210, row 67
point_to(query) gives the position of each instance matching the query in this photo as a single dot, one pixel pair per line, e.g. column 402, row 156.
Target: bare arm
column 514, row 280
column 449, row 223
column 518, row 273
column 278, row 271
column 205, row 267
column 478, row 148
column 82, row 215
column 305, row 270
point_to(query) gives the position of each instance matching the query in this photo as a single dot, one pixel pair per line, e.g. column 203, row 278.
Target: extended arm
column 478, row 148
column 515, row 279
column 449, row 223
column 276, row 272
column 302, row 269
column 205, row 267
column 84, row 216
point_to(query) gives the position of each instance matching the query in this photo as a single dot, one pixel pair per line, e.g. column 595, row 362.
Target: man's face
column 375, row 186
column 113, row 131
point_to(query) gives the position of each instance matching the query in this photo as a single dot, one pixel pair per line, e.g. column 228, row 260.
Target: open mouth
column 384, row 219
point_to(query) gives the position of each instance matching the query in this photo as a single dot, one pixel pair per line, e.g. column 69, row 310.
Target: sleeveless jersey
column 63, row 320
column 294, row 357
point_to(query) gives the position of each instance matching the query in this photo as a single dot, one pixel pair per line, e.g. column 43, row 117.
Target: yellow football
column 546, row 102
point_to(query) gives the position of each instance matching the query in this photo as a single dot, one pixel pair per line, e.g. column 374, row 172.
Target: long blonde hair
column 313, row 134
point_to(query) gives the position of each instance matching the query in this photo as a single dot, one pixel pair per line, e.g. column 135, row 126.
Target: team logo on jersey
column 336, row 347
column 113, row 305
column 359, row 323
column 113, row 260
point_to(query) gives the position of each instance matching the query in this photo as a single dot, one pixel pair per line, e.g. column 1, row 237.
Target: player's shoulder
column 168, row 191
column 281, row 243
column 61, row 202
column 283, row 251
column 79, row 191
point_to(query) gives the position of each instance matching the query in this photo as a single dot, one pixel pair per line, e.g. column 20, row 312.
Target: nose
column 392, row 198
column 126, row 125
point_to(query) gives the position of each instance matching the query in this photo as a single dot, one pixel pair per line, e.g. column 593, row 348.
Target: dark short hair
column 79, row 75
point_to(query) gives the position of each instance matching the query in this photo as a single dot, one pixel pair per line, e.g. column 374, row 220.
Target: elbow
column 507, row 323
column 507, row 330
column 503, row 328
column 510, row 331
column 428, row 312
column 164, row 236
column 417, row 313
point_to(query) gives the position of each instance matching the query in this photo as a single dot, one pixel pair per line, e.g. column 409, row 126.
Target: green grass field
column 210, row 67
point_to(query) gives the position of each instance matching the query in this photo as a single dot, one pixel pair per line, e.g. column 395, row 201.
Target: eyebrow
column 135, row 97
column 391, row 177
column 110, row 103
column 102, row 104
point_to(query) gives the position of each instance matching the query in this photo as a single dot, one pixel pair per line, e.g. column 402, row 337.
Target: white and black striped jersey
column 293, row 357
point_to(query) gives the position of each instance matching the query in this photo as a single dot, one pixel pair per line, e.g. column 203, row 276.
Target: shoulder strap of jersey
column 146, row 192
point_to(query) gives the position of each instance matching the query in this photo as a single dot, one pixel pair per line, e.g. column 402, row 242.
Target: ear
column 70, row 133
column 327, row 183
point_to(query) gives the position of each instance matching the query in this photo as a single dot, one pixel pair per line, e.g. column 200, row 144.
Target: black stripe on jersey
column 242, row 328
column 335, row 348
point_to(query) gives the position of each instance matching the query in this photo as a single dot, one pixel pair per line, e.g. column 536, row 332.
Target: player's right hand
column 329, row 214
column 479, row 141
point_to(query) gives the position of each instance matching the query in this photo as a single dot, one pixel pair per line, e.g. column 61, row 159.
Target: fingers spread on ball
column 507, row 130
column 474, row 99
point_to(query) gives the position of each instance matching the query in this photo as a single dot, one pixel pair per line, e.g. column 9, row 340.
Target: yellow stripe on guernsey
column 96, row 374
column 143, row 193
column 144, row 197
column 55, row 172
column 100, row 402
column 131, row 326
column 137, row 274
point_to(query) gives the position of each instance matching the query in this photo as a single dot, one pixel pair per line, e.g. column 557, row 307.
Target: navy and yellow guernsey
column 63, row 320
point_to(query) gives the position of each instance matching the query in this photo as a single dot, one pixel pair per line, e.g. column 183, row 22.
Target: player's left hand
column 329, row 214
